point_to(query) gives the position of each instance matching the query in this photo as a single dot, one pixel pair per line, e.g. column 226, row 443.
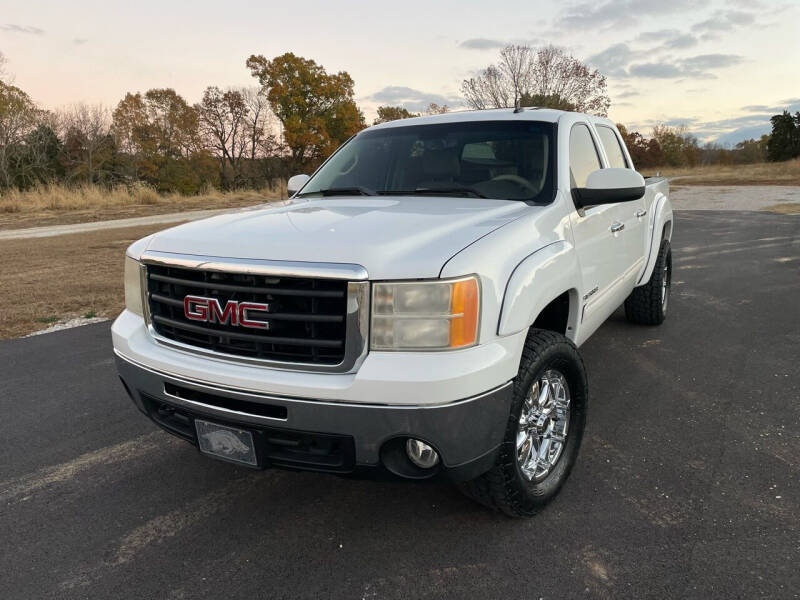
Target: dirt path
column 39, row 232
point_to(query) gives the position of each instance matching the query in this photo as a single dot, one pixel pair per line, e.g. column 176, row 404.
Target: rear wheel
column 544, row 430
column 647, row 304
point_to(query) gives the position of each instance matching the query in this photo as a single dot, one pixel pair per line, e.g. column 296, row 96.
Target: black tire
column 646, row 305
column 505, row 487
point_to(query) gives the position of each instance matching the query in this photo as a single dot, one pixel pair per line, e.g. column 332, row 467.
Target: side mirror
column 607, row 186
column 295, row 184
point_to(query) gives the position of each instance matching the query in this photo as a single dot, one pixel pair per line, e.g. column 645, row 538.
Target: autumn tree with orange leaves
column 316, row 109
column 159, row 132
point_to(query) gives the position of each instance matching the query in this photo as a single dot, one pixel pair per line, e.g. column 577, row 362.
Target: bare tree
column 223, row 120
column 549, row 75
column 436, row 109
column 261, row 123
column 3, row 63
column 88, row 144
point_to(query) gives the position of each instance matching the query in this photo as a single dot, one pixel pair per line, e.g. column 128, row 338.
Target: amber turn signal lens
column 465, row 302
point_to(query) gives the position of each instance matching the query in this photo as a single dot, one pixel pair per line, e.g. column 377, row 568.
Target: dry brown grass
column 58, row 204
column 784, row 209
column 43, row 280
column 771, row 173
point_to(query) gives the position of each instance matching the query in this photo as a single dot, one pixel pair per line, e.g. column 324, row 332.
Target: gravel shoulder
column 740, row 197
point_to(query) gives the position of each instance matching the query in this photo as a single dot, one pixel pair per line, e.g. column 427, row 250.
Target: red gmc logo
column 210, row 310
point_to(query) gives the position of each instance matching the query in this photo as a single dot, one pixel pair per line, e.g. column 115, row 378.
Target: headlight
column 133, row 286
column 428, row 315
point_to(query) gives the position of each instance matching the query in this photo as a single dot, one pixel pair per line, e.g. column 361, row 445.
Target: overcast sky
column 714, row 65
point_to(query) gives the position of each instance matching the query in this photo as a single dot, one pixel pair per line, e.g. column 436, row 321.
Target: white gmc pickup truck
column 414, row 309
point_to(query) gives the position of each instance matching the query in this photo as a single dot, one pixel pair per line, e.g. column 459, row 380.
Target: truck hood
column 393, row 238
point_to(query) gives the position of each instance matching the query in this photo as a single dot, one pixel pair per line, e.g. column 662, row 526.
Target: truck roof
column 547, row 115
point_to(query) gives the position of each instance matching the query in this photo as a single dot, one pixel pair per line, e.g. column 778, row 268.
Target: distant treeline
column 156, row 138
column 676, row 147
column 294, row 119
column 234, row 138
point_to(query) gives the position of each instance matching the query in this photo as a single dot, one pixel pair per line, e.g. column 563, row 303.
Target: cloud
column 754, row 119
column 79, row 41
column 756, row 4
column 413, row 100
column 614, row 59
column 21, row 29
column 681, row 41
column 678, row 121
column 669, row 38
column 790, row 104
column 492, row 44
column 741, row 134
column 660, row 35
column 620, row 60
column 616, row 13
column 627, row 94
column 724, row 20
column 711, row 61
column 656, row 70
column 693, row 67
column 481, row 44
column 684, row 68
column 731, row 131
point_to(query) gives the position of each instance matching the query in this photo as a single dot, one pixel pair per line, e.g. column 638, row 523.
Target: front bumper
column 332, row 436
column 388, row 378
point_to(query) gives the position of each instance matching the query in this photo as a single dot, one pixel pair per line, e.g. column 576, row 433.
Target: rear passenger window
column 616, row 157
column 583, row 157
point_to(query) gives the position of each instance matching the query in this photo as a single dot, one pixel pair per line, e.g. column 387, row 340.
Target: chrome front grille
column 313, row 323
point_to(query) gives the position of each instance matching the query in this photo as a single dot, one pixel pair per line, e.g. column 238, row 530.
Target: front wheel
column 544, row 431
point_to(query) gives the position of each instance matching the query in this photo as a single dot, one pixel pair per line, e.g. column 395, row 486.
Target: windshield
column 493, row 159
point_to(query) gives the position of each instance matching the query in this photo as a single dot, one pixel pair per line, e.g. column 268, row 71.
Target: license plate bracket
column 226, row 443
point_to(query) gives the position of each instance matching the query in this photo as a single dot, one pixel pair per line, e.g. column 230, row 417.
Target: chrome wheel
column 543, row 425
column 665, row 275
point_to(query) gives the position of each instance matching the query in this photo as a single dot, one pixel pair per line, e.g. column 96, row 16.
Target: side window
column 610, row 141
column 583, row 158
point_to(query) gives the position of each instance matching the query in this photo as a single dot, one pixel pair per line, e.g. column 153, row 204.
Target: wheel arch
column 661, row 229
column 666, row 233
column 541, row 293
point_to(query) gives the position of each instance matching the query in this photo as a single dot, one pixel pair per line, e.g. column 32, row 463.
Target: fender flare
column 662, row 214
column 535, row 282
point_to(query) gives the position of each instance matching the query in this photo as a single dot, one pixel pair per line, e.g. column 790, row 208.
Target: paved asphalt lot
column 688, row 483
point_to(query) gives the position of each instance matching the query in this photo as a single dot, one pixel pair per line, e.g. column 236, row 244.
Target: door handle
column 617, row 227
column 640, row 213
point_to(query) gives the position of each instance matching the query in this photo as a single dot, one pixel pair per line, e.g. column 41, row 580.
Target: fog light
column 421, row 454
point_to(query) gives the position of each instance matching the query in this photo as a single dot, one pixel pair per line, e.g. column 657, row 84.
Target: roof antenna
column 517, row 107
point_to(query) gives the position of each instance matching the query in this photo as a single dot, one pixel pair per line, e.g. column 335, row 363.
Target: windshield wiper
column 355, row 190
column 451, row 189
column 431, row 191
